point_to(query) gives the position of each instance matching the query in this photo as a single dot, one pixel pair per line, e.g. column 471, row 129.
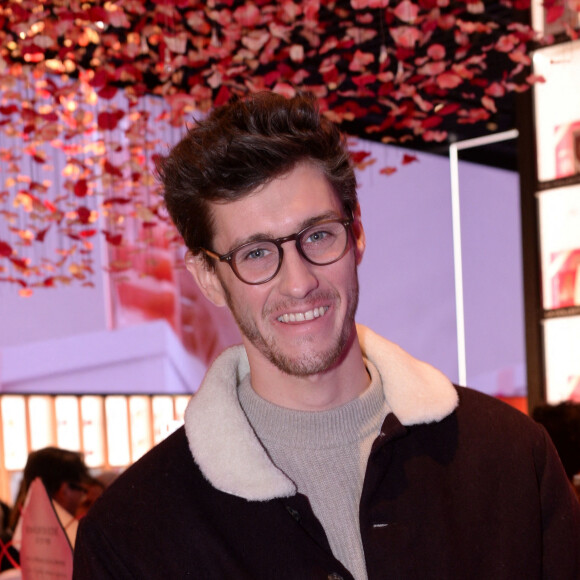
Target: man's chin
column 300, row 368
column 305, row 361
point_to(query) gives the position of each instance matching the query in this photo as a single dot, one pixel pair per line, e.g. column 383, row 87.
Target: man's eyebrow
column 264, row 236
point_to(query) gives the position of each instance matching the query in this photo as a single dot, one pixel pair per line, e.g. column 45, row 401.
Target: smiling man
column 294, row 299
column 317, row 449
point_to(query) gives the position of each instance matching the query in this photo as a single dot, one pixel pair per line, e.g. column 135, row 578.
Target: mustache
column 312, row 300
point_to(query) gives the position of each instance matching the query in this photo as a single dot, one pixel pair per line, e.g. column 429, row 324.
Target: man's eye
column 255, row 254
column 317, row 236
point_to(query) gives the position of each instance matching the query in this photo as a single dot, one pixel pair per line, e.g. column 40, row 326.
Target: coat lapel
column 231, row 457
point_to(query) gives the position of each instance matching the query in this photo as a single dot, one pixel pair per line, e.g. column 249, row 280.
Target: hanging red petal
column 437, row 136
column 109, row 120
column 554, row 13
column 113, row 239
column 448, row 80
column 112, row 169
column 20, row 263
column 406, row 11
column 431, row 121
column 107, row 92
column 5, row 249
column 222, row 96
column 359, row 156
column 39, row 237
column 81, row 188
column 8, row 110
column 83, row 214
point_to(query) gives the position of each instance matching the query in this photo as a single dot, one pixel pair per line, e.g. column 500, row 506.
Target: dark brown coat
column 466, row 489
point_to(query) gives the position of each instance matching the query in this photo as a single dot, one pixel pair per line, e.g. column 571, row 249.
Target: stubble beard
column 311, row 362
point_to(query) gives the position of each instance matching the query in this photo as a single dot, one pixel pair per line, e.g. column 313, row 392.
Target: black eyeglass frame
column 228, row 257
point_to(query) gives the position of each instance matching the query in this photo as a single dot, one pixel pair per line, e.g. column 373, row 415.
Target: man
column 317, row 449
column 65, row 477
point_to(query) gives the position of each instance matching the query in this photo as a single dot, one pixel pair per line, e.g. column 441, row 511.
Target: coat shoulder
column 158, row 478
column 487, row 411
column 494, row 429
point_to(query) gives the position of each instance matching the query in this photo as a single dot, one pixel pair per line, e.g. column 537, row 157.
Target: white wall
column 52, row 312
column 407, row 274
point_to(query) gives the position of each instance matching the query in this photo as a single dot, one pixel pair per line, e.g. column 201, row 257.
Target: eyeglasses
column 259, row 261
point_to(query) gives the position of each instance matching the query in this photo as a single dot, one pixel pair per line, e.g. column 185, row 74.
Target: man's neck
column 339, row 384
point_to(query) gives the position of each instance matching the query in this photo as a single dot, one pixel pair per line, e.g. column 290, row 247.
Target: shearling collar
column 231, row 457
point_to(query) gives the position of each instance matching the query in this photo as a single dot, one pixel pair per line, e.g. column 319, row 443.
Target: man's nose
column 296, row 276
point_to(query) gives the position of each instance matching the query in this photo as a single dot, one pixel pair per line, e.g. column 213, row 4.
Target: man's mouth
column 302, row 316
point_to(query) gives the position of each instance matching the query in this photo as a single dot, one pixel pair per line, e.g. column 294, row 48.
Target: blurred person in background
column 8, row 554
column 562, row 422
column 65, row 477
column 95, row 488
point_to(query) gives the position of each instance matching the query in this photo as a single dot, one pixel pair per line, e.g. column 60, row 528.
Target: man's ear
column 206, row 278
column 359, row 234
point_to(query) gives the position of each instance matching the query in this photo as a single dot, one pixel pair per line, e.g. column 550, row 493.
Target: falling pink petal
column 406, row 11
column 448, row 80
column 406, row 36
column 5, row 249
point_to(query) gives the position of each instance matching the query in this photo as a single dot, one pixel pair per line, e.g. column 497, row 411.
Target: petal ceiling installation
column 92, row 90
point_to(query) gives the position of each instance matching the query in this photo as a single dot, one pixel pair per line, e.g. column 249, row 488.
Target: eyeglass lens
column 320, row 244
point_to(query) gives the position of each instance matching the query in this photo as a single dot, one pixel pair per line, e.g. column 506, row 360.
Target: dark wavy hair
column 244, row 145
column 54, row 466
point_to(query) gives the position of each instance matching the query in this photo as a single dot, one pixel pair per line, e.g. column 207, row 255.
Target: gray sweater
column 325, row 454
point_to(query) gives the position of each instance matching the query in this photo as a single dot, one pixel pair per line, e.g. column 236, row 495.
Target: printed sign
column 46, row 552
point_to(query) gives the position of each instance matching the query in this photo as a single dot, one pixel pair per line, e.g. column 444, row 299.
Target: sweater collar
column 280, row 427
column 231, row 457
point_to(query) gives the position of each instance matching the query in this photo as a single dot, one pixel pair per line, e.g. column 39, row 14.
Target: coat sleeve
column 94, row 556
column 560, row 515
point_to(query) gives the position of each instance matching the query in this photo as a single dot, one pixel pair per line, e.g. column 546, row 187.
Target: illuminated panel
column 560, row 246
column 117, row 430
column 163, row 417
column 41, row 416
column 181, row 402
column 93, row 422
column 557, row 108
column 67, row 422
column 14, row 432
column 548, row 21
column 561, row 340
column 140, row 413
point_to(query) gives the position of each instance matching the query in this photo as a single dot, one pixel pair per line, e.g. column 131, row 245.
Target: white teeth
column 301, row 316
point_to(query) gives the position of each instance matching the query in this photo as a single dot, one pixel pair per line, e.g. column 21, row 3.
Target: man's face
column 69, row 496
column 302, row 320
